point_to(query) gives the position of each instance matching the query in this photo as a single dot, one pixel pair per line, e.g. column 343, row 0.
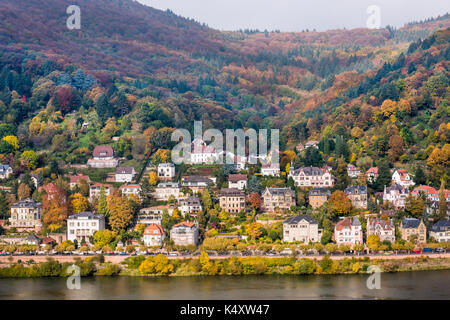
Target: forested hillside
column 137, row 73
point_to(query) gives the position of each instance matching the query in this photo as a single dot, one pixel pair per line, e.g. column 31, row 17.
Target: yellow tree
column 153, row 178
column 79, row 203
column 120, row 212
column 23, row 191
column 339, row 203
column 254, row 230
column 13, row 141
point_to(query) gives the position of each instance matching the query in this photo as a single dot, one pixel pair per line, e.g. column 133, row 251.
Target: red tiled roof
column 185, row 223
column 153, row 229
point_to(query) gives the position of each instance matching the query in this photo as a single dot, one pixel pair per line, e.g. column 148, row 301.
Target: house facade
column 131, row 190
column 281, row 198
column 184, row 234
column 395, row 194
column 403, row 178
column 94, row 190
column 357, row 195
column 318, row 197
column 196, row 183
column 311, row 177
column 352, row 171
column 165, row 190
column 125, row 174
column 190, row 205
column 413, row 227
column 83, row 225
column 237, row 181
column 74, row 180
column 5, row 171
column 440, row 231
column 270, row 170
column 26, row 215
column 348, row 231
column 103, row 157
column 385, row 229
column 372, row 174
column 301, row 228
column 153, row 235
column 232, row 200
column 166, row 171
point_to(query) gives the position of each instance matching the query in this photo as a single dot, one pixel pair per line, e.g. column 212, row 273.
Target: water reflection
column 407, row 285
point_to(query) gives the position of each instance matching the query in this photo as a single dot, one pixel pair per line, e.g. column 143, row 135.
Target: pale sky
column 296, row 15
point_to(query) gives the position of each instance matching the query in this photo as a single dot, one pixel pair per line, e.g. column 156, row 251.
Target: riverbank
column 156, row 266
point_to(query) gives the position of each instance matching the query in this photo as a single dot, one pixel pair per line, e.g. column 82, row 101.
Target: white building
column 153, row 235
column 94, row 190
column 237, row 181
column 83, row 225
column 440, row 231
column 131, row 189
column 103, row 157
column 125, row 174
column 311, row 177
column 184, row 234
column 272, row 169
column 5, row 171
column 403, row 178
column 166, row 171
column 190, row 205
column 165, row 190
column 352, row 171
column 385, row 229
column 395, row 194
column 26, row 215
column 202, row 154
column 301, row 228
column 348, row 231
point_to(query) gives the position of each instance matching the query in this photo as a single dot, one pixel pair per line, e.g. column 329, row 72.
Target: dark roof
column 124, row 170
column 231, row 192
column 191, row 201
column 279, row 191
column 319, row 192
column 33, row 237
column 309, row 171
column 27, row 203
column 410, row 223
column 356, row 190
column 298, row 218
column 397, row 187
column 197, row 179
column 441, row 225
column 86, row 214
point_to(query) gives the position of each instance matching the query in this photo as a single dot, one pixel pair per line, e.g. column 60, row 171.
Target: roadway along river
column 403, row 285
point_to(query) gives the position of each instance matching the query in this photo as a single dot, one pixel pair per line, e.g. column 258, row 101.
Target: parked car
column 441, row 250
column 123, row 253
column 416, row 251
column 427, row 250
column 173, row 254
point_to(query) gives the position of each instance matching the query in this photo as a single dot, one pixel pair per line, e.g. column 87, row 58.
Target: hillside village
column 226, row 208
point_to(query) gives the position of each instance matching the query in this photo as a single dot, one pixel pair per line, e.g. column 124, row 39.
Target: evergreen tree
column 78, row 79
column 442, row 201
column 420, row 177
column 122, row 105
column 384, row 176
column 102, row 206
column 4, row 205
column 103, row 108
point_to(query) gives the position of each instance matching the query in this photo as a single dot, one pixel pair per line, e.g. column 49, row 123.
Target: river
column 403, row 285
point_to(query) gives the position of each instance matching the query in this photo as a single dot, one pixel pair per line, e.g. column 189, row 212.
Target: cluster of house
column 305, row 229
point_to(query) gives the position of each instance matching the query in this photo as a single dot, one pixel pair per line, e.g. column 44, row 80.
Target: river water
column 403, row 285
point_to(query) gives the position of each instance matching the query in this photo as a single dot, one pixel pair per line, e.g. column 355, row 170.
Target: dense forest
column 366, row 95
